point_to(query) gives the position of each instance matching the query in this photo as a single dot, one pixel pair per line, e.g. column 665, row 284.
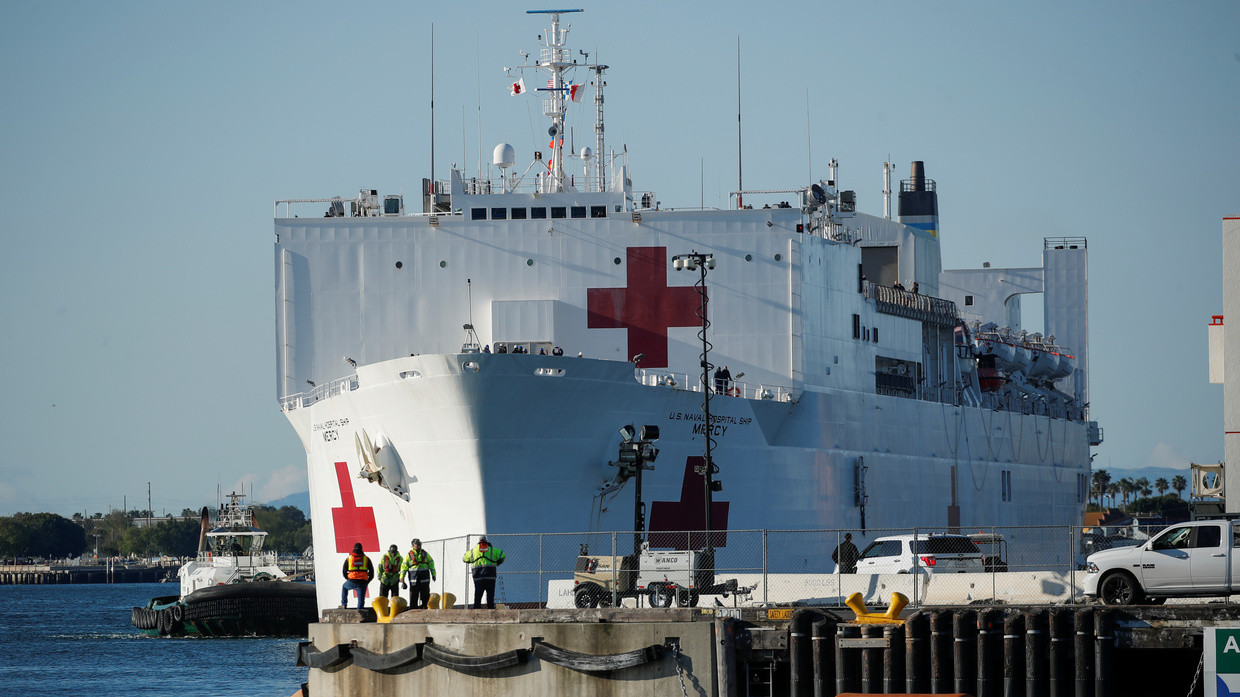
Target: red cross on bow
column 647, row 307
column 669, row 519
column 351, row 523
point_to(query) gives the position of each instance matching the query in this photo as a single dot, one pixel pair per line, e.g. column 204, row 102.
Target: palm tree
column 1113, row 490
column 1126, row 487
column 1101, row 479
column 1162, row 485
column 1179, row 483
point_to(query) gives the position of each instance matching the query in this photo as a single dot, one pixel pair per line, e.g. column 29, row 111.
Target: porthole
column 748, row 257
column 778, row 257
column 400, row 265
column 443, row 264
column 529, row 262
column 616, row 261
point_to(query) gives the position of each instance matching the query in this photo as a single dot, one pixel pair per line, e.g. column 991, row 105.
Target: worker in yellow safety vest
column 358, row 571
column 419, row 568
column 484, row 558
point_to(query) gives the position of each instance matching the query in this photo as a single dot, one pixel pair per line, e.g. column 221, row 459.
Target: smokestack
column 918, row 176
column 202, row 532
column 919, row 203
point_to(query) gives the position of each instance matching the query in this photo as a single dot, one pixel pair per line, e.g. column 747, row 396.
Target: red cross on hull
column 670, row 519
column 351, row 523
column 647, row 307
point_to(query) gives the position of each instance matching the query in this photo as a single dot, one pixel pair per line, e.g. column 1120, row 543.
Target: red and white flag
column 518, row 87
column 575, row 92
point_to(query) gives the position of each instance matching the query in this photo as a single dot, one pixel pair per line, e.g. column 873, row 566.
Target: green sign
column 1221, row 669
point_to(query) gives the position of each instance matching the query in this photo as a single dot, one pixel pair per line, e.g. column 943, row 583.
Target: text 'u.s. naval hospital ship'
column 870, row 388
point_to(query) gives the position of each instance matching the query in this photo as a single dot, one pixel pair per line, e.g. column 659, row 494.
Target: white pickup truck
column 1201, row 557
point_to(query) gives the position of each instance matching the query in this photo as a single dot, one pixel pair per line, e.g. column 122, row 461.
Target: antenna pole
column 478, row 63
column 433, row 110
column 740, row 186
column 809, row 142
column 887, row 188
column 598, row 124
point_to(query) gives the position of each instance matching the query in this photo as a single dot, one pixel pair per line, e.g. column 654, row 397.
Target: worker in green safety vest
column 484, row 559
column 419, row 568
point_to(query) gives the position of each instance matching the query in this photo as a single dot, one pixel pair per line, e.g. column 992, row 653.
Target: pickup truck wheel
column 1120, row 588
column 660, row 595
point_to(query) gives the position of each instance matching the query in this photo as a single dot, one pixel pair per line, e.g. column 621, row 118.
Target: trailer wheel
column 660, row 595
column 687, row 597
column 1120, row 588
column 587, row 595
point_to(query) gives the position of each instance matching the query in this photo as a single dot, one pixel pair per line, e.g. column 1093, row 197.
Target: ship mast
column 556, row 60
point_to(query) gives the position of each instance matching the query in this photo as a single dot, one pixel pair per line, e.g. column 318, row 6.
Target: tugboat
column 233, row 588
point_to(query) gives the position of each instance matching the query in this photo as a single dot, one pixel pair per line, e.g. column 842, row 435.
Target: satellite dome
column 504, row 156
column 587, row 152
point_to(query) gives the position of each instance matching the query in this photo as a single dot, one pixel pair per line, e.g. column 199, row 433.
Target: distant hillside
column 300, row 500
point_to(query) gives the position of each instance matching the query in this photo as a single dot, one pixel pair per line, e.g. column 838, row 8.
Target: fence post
column 839, row 575
column 1071, row 560
column 765, row 595
column 540, row 572
column 469, row 572
column 615, row 582
column 916, row 568
column 995, row 549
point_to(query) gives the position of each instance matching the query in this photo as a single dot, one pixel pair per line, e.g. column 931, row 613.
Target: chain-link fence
column 751, row 567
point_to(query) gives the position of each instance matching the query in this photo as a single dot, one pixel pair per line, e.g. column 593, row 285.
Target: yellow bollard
column 386, row 609
column 856, row 603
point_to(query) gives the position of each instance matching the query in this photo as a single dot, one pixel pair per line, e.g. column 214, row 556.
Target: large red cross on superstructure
column 352, row 523
column 647, row 307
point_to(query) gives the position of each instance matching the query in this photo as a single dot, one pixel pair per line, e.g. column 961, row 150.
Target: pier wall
column 482, row 633
column 984, row 650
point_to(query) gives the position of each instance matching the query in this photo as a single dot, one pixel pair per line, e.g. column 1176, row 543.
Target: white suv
column 934, row 554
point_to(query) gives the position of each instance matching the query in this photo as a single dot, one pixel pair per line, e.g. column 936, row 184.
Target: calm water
column 77, row 639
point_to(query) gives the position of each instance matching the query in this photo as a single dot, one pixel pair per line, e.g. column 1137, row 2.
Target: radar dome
column 504, row 156
column 587, row 152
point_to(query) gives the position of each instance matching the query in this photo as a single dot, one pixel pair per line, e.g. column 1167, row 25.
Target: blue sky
column 144, row 143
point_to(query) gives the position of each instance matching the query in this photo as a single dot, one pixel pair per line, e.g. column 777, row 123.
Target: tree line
column 1141, row 491
column 53, row 536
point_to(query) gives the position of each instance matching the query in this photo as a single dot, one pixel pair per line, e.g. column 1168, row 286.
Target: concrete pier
column 743, row 652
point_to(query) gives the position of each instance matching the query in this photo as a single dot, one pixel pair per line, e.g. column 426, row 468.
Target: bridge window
column 477, row 214
column 499, row 214
column 559, row 212
column 598, row 211
column 538, row 213
column 578, row 211
column 518, row 214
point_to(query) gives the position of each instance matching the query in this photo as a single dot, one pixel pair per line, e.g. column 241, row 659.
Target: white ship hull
column 503, row 450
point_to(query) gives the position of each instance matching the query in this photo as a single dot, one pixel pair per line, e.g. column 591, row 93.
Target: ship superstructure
column 465, row 369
